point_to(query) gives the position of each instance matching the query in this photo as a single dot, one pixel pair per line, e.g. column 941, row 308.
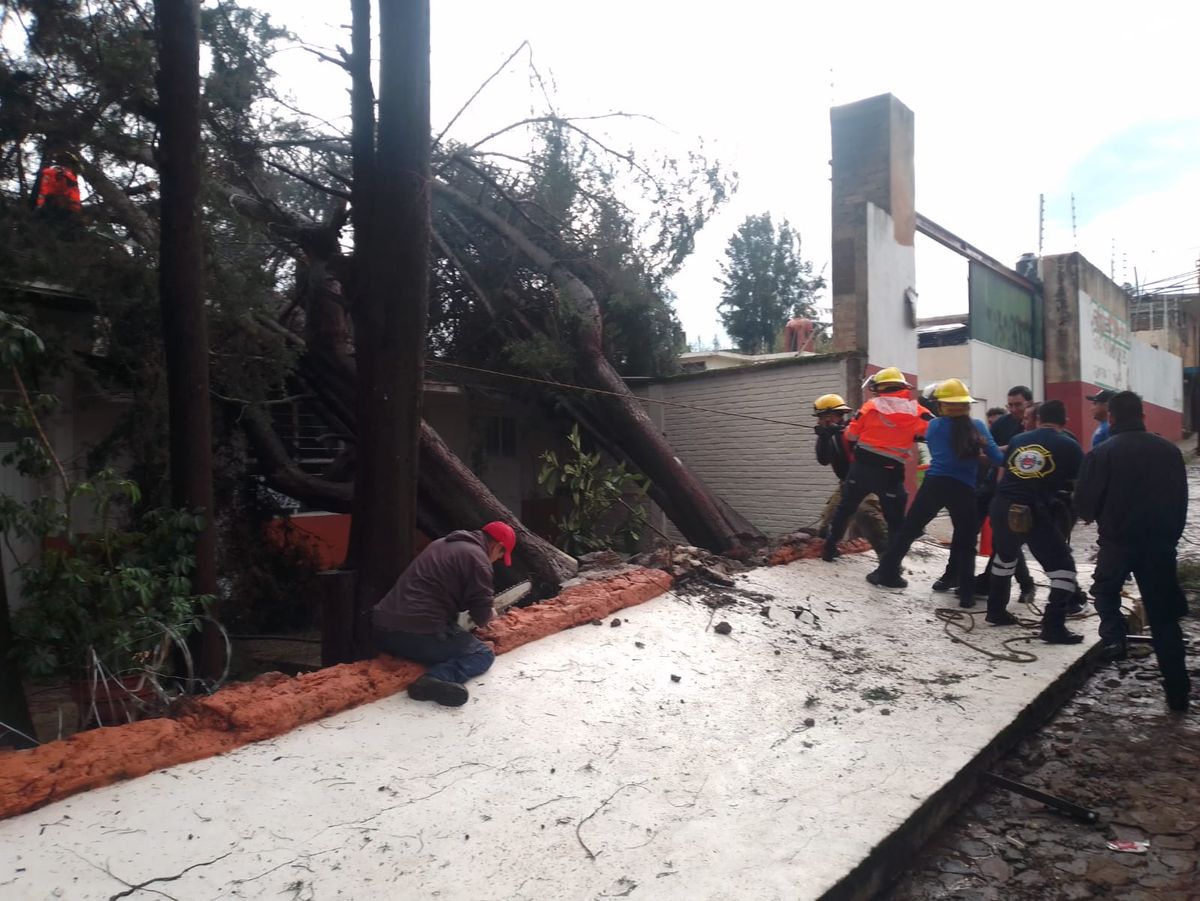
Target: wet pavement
column 1113, row 748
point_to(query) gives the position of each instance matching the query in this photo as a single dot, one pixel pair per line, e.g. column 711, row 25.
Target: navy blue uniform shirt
column 1040, row 463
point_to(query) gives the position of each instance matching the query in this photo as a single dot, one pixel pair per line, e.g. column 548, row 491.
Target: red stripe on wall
column 1160, row 420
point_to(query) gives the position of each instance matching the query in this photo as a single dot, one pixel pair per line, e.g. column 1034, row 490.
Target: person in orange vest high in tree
column 58, row 186
column 882, row 435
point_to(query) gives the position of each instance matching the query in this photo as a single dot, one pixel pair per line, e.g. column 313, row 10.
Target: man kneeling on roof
column 418, row 618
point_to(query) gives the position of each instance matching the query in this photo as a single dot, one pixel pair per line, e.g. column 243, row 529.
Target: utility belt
column 1022, row 516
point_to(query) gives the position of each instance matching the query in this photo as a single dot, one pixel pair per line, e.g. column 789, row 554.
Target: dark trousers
column 983, row 580
column 939, row 493
column 1048, row 547
column 454, row 656
column 1154, row 567
column 885, row 481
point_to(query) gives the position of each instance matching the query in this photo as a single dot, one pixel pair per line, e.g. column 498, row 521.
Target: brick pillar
column 874, row 222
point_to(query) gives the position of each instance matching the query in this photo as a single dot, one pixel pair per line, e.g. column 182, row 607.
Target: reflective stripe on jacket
column 888, row 425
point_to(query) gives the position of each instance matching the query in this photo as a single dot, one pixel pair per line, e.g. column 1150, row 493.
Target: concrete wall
column 1089, row 346
column 995, row 370
column 937, row 363
column 873, row 230
column 767, row 471
column 892, row 270
column 1158, row 377
column 988, row 371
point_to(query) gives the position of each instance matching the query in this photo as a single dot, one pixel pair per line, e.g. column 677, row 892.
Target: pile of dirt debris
column 686, row 563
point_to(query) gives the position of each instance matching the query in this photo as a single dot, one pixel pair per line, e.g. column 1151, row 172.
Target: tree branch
column 282, row 473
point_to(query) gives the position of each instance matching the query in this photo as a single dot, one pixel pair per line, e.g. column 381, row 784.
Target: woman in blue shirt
column 956, row 443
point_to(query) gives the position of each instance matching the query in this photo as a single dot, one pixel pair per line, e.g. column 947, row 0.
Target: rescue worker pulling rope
column 881, row 434
column 833, row 451
column 956, row 442
column 1040, row 464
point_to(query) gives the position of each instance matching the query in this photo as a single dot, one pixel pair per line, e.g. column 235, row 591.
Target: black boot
column 877, row 577
column 1057, row 633
column 831, row 551
column 1118, row 649
column 429, row 688
column 1001, row 618
column 1177, row 696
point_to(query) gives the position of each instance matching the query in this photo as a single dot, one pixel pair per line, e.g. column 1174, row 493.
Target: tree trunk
column 450, row 495
column 390, row 291
column 16, row 725
column 181, row 291
column 702, row 517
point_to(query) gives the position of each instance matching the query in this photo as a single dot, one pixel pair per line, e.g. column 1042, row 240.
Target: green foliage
column 112, row 601
column 764, row 282
column 106, row 603
column 607, row 502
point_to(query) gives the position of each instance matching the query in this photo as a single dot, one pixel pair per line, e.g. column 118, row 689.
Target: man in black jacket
column 1134, row 487
column 418, row 617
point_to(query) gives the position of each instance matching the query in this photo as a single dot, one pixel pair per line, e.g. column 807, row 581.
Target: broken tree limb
column 698, row 513
column 450, row 496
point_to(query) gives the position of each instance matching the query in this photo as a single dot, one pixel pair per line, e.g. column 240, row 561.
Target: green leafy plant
column 111, row 603
column 108, row 607
column 607, row 502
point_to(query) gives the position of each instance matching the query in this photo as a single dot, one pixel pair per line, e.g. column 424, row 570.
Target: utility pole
column 1041, row 221
column 1074, row 233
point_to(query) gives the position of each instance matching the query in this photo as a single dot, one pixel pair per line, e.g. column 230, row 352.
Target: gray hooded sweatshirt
column 453, row 574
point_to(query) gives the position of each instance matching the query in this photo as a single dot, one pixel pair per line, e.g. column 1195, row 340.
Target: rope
column 630, row 396
column 964, row 621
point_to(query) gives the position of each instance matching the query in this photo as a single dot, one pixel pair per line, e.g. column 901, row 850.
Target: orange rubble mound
column 812, row 548
column 274, row 704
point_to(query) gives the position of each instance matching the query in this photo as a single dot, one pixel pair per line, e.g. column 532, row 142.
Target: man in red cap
column 418, row 618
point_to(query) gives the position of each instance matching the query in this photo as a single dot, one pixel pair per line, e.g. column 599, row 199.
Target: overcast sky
column 1011, row 100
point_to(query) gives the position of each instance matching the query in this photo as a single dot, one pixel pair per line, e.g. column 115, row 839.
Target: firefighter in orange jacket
column 883, row 433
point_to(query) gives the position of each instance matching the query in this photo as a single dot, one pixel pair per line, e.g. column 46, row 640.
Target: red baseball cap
column 503, row 533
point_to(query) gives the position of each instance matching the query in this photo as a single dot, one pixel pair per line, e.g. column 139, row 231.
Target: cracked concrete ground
column 659, row 759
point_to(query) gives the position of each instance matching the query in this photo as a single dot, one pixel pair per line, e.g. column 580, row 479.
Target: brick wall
column 766, row 471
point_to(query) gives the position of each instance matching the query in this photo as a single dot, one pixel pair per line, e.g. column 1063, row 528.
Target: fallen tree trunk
column 450, row 496
column 697, row 513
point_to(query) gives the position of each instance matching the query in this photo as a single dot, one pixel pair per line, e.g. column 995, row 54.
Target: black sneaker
column 941, row 586
column 429, row 688
column 1002, row 619
column 877, row 578
column 1060, row 635
column 1116, row 650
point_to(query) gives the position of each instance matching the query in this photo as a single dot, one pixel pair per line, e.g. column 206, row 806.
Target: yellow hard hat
column 889, row 376
column 830, row 403
column 953, row 391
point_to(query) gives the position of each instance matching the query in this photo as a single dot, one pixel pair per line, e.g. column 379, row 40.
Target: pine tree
column 765, row 282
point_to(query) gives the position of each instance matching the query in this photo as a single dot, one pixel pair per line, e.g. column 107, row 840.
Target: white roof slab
column 580, row 769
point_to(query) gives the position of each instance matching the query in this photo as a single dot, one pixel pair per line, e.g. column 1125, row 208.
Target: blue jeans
column 453, row 656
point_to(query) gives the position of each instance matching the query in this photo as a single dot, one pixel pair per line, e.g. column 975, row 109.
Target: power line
column 652, row 400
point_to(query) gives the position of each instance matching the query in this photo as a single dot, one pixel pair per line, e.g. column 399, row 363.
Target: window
column 500, row 436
